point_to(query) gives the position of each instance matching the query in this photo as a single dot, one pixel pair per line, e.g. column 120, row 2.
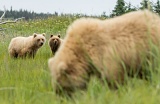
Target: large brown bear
column 26, row 46
column 109, row 48
column 55, row 42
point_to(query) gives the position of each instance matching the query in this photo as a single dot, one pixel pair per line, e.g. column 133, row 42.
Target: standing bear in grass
column 110, row 49
column 26, row 46
column 55, row 42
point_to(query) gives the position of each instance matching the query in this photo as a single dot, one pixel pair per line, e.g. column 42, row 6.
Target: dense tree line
column 120, row 8
column 24, row 13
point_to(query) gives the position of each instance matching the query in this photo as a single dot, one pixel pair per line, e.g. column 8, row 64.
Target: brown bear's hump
column 82, row 25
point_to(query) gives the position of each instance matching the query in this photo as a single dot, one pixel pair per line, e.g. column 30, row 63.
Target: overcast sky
column 90, row 7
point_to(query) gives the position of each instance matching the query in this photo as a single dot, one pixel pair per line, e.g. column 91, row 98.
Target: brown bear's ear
column 51, row 36
column 59, row 35
column 34, row 35
column 44, row 34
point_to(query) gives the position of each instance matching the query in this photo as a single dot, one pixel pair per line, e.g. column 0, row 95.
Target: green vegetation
column 28, row 81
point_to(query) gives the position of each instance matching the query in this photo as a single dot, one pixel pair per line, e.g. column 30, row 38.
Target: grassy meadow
column 28, row 81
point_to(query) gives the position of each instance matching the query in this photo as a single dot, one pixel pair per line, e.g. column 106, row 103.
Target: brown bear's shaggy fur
column 55, row 42
column 26, row 46
column 107, row 48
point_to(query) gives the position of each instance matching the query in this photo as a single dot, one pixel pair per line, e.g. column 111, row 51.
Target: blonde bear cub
column 26, row 46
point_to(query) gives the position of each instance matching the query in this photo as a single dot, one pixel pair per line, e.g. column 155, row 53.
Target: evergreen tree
column 103, row 15
column 119, row 9
column 129, row 8
column 157, row 7
column 146, row 4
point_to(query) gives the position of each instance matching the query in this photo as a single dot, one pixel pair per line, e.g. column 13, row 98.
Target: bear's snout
column 41, row 43
column 55, row 42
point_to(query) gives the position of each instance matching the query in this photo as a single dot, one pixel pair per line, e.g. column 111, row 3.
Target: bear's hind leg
column 13, row 53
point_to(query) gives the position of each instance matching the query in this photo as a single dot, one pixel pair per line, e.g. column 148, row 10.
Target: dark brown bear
column 54, row 43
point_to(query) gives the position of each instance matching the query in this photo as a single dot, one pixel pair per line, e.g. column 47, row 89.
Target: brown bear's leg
column 114, row 75
column 32, row 53
column 23, row 53
column 13, row 53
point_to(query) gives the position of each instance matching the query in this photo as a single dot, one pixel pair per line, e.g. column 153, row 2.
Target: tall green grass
column 28, row 81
